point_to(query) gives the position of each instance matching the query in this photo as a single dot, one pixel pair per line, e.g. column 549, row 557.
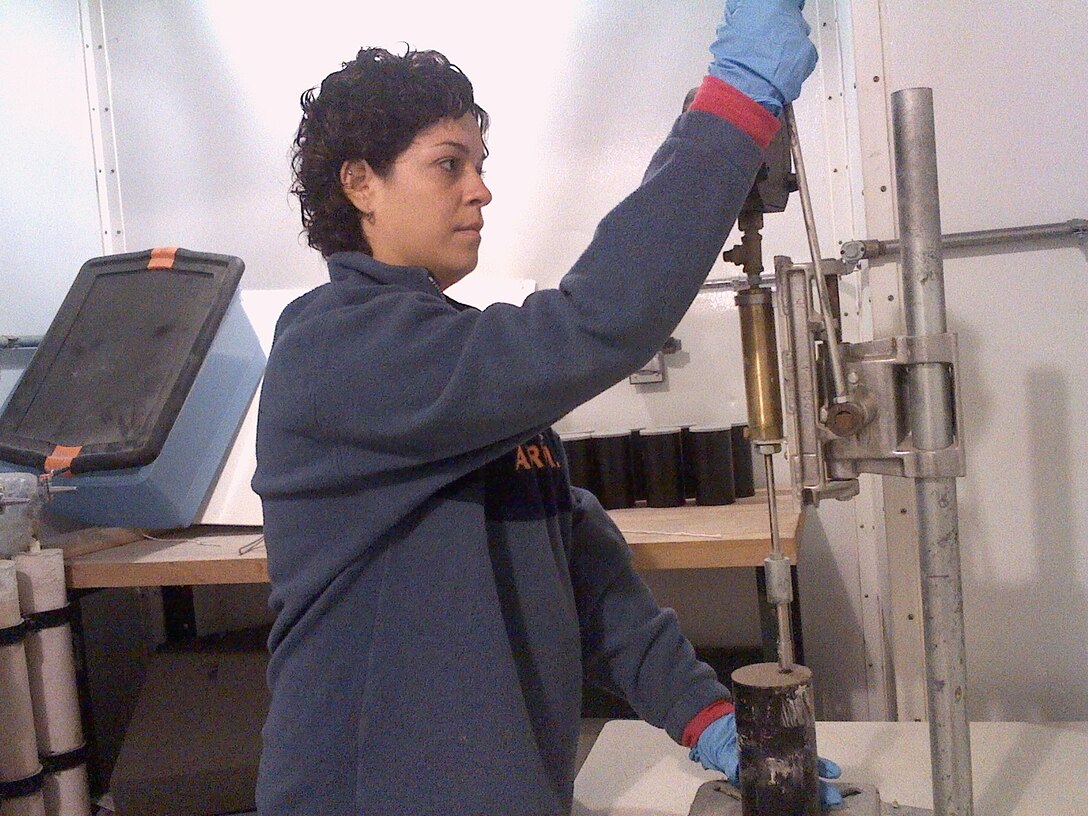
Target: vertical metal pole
column 932, row 416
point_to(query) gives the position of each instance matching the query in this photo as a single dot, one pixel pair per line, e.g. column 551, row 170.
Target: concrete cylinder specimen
column 18, row 745
column 776, row 734
column 51, row 668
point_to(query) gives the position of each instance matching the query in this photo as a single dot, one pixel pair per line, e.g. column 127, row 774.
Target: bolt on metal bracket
column 884, row 446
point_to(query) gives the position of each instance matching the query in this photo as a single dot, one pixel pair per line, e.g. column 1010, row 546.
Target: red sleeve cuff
column 722, row 99
column 700, row 721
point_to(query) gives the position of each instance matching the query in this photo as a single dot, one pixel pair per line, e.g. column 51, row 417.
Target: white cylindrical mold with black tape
column 20, row 771
column 55, row 694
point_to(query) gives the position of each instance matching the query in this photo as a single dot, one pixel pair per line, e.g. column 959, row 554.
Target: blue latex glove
column 763, row 50
column 717, row 750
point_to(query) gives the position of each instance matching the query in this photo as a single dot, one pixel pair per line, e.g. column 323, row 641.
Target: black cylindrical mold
column 639, row 473
column 663, row 467
column 615, row 469
column 689, row 461
column 776, row 734
column 578, row 447
column 744, row 484
column 710, row 449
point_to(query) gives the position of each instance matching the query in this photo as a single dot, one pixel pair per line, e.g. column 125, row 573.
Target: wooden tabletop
column 691, row 537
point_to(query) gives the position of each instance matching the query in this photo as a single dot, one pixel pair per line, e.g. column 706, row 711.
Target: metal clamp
column 805, row 383
column 877, row 370
column 828, row 446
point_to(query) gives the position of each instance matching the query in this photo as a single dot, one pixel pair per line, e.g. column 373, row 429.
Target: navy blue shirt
column 440, row 589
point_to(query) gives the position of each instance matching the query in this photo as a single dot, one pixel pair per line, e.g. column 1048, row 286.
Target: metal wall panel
column 1009, row 81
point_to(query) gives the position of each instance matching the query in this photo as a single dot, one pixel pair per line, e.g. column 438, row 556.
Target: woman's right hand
column 763, row 50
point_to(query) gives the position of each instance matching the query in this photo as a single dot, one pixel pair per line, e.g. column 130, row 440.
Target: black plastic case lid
column 111, row 373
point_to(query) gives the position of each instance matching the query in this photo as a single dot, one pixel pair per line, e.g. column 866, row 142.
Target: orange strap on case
column 162, row 258
column 61, row 457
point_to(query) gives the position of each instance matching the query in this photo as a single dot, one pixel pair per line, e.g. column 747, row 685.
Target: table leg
column 95, row 782
column 178, row 613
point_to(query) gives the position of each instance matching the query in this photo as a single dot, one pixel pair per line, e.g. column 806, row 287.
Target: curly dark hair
column 372, row 109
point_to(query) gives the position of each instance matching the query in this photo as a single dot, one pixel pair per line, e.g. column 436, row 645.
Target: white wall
column 48, row 205
column 1010, row 80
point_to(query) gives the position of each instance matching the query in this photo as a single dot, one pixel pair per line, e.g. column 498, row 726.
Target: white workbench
column 1020, row 769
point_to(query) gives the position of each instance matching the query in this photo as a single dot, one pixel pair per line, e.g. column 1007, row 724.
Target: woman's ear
column 356, row 180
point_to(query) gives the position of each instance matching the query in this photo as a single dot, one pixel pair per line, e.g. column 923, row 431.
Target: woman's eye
column 449, row 165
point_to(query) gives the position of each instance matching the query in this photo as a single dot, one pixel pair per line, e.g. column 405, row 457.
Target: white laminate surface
column 1020, row 769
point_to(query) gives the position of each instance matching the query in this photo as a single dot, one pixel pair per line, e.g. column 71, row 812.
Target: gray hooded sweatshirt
column 441, row 591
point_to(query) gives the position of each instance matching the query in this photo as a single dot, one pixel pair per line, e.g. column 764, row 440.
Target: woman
column 441, row 590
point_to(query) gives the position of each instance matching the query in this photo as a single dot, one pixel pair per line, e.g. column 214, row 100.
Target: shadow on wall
column 833, row 633
column 615, row 108
column 1025, row 603
column 1055, row 600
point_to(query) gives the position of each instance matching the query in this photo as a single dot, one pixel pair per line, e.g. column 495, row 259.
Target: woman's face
column 427, row 211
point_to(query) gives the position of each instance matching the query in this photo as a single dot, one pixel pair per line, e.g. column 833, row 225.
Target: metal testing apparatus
column 888, row 406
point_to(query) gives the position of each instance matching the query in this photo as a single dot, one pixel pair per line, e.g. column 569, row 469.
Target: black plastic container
column 663, row 467
column 118, row 361
column 578, row 447
column 743, row 481
column 711, row 452
column 615, row 469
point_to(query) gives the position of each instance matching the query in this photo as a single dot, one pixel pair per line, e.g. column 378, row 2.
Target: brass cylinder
column 760, row 349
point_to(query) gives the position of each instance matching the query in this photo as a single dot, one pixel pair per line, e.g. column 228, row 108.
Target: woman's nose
column 479, row 192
